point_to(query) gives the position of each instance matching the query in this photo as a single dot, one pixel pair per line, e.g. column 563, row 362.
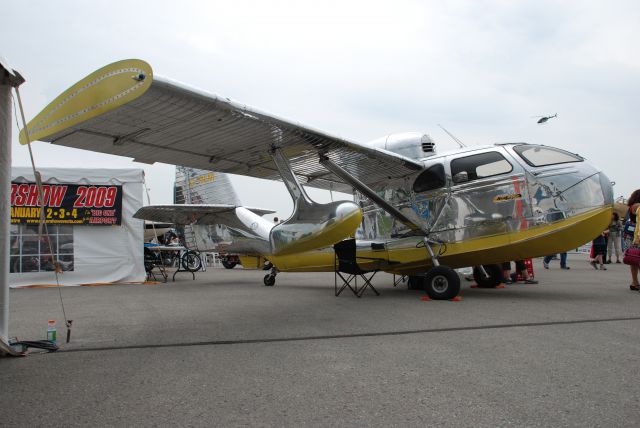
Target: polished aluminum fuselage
column 517, row 200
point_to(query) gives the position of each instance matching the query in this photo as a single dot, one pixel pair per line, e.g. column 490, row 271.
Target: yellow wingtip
column 103, row 90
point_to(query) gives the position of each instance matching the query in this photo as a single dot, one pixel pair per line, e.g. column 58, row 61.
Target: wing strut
column 312, row 225
column 290, row 180
column 361, row 187
column 367, row 191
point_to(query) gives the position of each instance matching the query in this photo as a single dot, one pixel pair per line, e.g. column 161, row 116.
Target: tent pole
column 8, row 79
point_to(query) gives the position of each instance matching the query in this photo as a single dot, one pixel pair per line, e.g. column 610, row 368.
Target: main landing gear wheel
column 492, row 281
column 442, row 283
column 228, row 265
column 269, row 280
column 415, row 282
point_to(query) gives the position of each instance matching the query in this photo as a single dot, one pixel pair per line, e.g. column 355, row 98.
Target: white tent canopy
column 92, row 253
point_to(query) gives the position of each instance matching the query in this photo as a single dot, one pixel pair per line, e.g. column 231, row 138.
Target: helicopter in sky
column 544, row 119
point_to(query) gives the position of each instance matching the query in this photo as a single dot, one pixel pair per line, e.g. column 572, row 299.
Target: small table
column 161, row 267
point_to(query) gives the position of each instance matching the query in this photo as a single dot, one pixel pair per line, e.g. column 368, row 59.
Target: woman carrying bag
column 632, row 253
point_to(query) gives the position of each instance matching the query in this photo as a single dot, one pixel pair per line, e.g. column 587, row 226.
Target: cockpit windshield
column 544, row 156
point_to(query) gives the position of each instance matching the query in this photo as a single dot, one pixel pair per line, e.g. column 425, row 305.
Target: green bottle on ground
column 52, row 334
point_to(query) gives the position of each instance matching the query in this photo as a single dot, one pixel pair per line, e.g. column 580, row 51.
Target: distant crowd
column 619, row 241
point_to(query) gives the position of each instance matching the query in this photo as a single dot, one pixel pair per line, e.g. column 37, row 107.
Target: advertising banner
column 73, row 204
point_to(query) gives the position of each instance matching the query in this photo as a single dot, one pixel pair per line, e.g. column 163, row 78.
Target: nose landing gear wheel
column 442, row 283
column 269, row 280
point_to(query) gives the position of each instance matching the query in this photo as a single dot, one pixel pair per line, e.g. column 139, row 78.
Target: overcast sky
column 359, row 70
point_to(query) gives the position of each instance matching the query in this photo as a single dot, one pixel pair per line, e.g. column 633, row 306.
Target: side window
column 482, row 165
column 430, row 179
column 544, row 156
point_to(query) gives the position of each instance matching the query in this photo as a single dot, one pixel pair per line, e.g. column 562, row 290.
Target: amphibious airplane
column 422, row 214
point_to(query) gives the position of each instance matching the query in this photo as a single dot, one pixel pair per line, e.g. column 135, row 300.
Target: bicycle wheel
column 191, row 261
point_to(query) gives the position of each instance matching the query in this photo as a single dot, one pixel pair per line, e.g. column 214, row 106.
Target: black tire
column 151, row 260
column 269, row 280
column 167, row 259
column 228, row 265
column 191, row 261
column 442, row 283
column 415, row 282
column 494, row 279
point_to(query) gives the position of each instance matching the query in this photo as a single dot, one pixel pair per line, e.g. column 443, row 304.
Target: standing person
column 629, row 225
column 634, row 212
column 521, row 269
column 614, row 237
column 506, row 273
column 563, row 261
column 606, row 245
column 599, row 246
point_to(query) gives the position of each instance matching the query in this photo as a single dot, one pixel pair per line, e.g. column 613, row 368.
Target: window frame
column 497, row 152
column 443, row 176
column 521, row 147
column 36, row 249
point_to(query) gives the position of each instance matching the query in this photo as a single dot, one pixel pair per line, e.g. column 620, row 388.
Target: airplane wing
column 124, row 109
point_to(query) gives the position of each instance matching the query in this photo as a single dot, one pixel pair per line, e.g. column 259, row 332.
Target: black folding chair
column 345, row 262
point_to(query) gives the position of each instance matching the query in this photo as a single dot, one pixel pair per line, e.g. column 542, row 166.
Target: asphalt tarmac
column 224, row 350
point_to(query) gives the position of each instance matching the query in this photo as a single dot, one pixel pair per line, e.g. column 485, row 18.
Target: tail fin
column 198, row 186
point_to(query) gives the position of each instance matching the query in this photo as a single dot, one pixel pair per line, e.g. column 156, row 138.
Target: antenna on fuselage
column 460, row 143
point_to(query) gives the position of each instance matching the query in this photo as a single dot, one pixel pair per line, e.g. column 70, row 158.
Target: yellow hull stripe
column 533, row 242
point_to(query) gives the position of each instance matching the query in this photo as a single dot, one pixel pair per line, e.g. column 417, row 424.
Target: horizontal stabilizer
column 246, row 222
column 183, row 214
column 192, row 214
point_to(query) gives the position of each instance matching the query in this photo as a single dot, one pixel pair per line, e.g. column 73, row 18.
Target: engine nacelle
column 414, row 145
